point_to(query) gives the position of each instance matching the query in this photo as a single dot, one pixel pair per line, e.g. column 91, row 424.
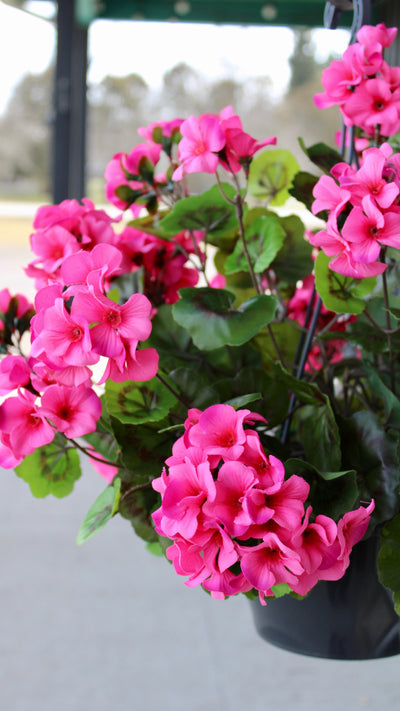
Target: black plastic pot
column 352, row 618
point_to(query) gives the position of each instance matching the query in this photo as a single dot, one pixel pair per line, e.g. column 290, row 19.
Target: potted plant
column 230, row 372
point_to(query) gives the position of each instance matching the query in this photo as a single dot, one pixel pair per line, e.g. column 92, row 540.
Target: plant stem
column 239, row 215
column 87, row 452
column 172, row 390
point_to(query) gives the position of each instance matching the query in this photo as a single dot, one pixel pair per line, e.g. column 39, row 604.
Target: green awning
column 308, row 13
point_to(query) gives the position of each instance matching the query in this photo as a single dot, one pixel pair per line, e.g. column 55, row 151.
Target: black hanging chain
column 361, row 16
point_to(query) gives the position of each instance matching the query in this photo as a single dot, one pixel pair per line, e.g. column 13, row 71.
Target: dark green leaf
column 331, row 493
column 318, row 432
column 272, row 401
column 136, row 506
column 303, row 186
column 374, row 454
column 325, row 157
column 390, row 402
column 389, row 559
column 293, row 262
column 208, row 316
column 144, row 449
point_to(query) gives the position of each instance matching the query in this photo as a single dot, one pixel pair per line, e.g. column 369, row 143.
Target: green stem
column 239, row 215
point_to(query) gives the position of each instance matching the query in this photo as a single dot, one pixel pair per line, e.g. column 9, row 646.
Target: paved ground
column 108, row 626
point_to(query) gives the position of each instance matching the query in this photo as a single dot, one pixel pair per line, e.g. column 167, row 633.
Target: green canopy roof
column 309, row 13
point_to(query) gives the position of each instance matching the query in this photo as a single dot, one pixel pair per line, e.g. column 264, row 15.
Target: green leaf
column 341, row 294
column 374, row 453
column 271, row 174
column 269, row 397
column 194, row 386
column 390, row 402
column 126, row 194
column 208, row 316
column 135, row 403
column 293, row 262
column 155, row 548
column 389, row 559
column 306, row 392
column 303, row 186
column 243, row 400
column 172, row 343
column 318, row 431
column 209, row 212
column 136, row 506
column 331, row 493
column 294, row 466
column 101, row 512
column 264, row 238
column 144, row 449
column 321, row 155
column 52, row 469
column 286, row 337
column 280, row 590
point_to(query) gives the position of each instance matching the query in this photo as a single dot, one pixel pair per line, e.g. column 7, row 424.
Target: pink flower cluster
column 206, row 142
column 364, row 212
column 363, row 85
column 236, row 523
column 130, row 177
column 213, row 140
column 76, row 326
column 163, row 263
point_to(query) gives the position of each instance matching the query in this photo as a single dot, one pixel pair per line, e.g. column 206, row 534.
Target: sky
column 27, row 44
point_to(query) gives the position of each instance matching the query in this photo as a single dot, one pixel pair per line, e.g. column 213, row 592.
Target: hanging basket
column 352, row 618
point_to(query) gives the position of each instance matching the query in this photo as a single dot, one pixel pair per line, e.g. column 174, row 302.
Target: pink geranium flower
column 366, row 231
column 235, row 480
column 329, row 196
column 14, row 372
column 63, row 339
column 188, row 487
column 73, row 411
column 114, row 325
column 270, row 563
column 23, row 427
column 220, row 431
column 198, row 150
column 369, row 181
column 370, row 34
column 340, row 77
column 240, row 148
column 374, row 104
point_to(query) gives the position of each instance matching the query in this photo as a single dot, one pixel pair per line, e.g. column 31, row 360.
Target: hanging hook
column 361, row 14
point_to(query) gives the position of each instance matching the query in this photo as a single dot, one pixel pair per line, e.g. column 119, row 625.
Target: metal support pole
column 69, row 127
